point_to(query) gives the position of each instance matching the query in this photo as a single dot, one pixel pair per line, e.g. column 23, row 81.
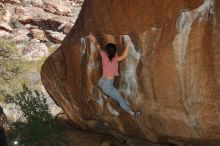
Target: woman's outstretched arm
column 94, row 40
column 125, row 53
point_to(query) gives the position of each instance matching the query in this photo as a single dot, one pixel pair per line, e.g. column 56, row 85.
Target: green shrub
column 9, row 59
column 15, row 70
column 10, row 68
column 39, row 127
column 16, row 24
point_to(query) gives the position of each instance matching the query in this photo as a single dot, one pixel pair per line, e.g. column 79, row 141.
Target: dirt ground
column 76, row 137
column 87, row 138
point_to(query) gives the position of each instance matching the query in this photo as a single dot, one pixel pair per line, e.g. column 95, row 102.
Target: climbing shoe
column 137, row 114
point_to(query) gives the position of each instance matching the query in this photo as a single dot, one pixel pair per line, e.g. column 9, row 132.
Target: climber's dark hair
column 110, row 48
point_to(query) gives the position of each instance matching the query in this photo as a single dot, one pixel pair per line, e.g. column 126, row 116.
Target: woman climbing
column 110, row 70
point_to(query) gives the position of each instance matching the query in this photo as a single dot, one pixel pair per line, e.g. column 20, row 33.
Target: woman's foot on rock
column 137, row 114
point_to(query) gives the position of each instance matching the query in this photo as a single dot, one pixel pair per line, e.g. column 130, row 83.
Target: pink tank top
column 110, row 68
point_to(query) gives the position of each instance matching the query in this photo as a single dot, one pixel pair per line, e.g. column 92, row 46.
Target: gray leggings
column 107, row 86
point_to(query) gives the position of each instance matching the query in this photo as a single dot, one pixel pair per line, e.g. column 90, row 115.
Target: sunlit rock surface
column 172, row 73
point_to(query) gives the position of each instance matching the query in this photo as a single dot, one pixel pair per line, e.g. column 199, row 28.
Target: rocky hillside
column 45, row 21
column 171, row 73
column 30, row 30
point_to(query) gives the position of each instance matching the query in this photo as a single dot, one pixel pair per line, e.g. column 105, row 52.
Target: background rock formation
column 172, row 72
column 30, row 30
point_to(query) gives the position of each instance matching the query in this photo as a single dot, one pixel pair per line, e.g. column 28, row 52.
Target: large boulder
column 172, row 72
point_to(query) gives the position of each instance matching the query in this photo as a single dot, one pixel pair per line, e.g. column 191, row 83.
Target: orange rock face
column 172, row 73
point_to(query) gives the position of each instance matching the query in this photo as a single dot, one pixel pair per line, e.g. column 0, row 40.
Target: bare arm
column 94, row 41
column 124, row 54
column 97, row 45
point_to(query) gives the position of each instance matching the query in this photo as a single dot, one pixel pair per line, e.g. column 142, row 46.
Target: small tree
column 39, row 127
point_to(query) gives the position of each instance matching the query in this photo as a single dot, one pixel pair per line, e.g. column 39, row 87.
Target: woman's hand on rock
column 92, row 38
